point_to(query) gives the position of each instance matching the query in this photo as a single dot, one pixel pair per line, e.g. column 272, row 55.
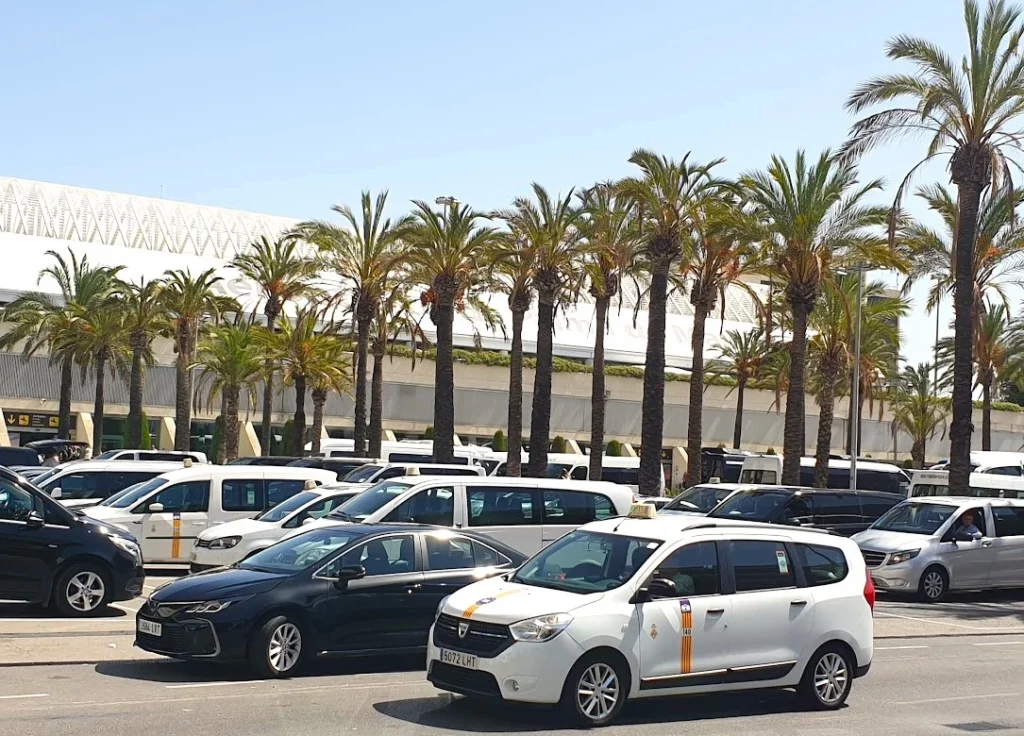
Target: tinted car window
column 193, row 496
column 15, row 503
column 693, row 569
column 78, row 485
column 448, row 471
column 822, row 565
column 575, row 507
column 761, row 565
column 1009, row 470
column 430, row 506
column 1009, row 521
column 497, row 506
column 704, row 497
column 459, row 553
column 836, row 508
column 280, row 490
column 242, row 495
column 622, row 476
column 121, row 480
column 872, row 507
column 388, row 556
column 877, row 480
column 752, row 505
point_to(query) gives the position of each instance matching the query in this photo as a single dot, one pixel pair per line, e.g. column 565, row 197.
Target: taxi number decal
column 686, row 647
column 468, row 613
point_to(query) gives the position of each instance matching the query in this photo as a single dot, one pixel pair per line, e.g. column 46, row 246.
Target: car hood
column 78, row 503
column 318, row 524
column 498, row 601
column 238, row 528
column 115, row 517
column 232, row 582
column 883, row 541
column 102, row 527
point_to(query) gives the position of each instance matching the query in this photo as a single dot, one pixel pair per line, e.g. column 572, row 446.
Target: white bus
column 993, row 463
column 982, row 485
column 871, row 476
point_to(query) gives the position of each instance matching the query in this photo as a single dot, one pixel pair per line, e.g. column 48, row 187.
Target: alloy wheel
column 830, row 678
column 598, row 691
column 934, row 585
column 85, row 591
column 285, row 647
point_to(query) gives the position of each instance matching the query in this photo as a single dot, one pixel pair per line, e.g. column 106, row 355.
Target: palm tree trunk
column 793, row 432
column 377, row 400
column 64, row 407
column 319, row 400
column 229, row 417
column 98, row 405
column 652, row 428
column 183, row 391
column 597, row 390
column 300, row 415
column 267, row 428
column 540, row 417
column 826, row 411
column 696, row 408
column 917, row 453
column 514, row 461
column 737, row 429
column 444, row 383
column 986, row 415
column 135, row 395
column 363, row 342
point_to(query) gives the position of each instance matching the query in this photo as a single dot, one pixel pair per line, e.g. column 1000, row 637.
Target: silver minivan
column 931, row 545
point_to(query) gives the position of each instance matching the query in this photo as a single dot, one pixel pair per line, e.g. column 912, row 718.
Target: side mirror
column 34, row 520
column 346, row 574
column 962, row 536
column 155, row 508
column 662, row 588
column 308, row 520
column 56, row 493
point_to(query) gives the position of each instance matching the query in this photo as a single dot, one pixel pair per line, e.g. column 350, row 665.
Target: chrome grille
column 483, row 639
column 872, row 558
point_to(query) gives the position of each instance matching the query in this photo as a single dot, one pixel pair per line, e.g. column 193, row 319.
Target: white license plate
column 150, row 627
column 459, row 659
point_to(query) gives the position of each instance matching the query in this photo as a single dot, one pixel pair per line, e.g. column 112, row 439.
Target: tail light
column 869, row 592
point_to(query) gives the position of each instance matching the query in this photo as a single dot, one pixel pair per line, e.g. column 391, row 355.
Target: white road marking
column 957, row 697
column 934, row 621
column 914, row 646
column 996, row 643
column 29, row 695
column 214, row 684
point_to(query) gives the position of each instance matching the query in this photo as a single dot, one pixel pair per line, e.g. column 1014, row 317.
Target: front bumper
column 524, row 672
column 193, row 637
column 902, row 578
column 204, row 558
column 128, row 581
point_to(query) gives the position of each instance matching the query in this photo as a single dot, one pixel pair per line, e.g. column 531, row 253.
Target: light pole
column 855, row 393
column 447, row 203
column 938, row 305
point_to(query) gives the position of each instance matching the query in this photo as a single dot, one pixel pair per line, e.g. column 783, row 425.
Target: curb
column 68, row 662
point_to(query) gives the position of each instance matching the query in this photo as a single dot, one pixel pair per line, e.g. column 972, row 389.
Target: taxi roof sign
column 642, row 511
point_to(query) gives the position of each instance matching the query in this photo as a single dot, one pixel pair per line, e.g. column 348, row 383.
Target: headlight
column 542, row 628
column 209, row 607
column 224, row 542
column 903, row 556
column 129, row 546
column 440, row 606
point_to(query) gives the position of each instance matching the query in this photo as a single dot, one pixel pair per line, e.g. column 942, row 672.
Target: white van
column 982, row 485
column 172, row 455
column 88, row 482
column 624, row 471
column 871, row 476
column 167, row 513
column 374, row 472
column 406, row 451
column 993, row 462
column 525, row 513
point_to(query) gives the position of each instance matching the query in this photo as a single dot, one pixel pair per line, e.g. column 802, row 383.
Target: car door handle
column 716, row 611
column 986, row 544
column 798, row 603
column 138, row 521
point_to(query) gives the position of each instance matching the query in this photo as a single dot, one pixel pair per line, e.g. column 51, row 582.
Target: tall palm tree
column 666, row 197
column 145, row 316
column 742, row 355
column 969, row 111
column 447, row 252
column 331, row 370
column 362, row 255
column 99, row 342
column 918, row 410
column 814, row 221
column 192, row 304
column 42, row 322
column 550, row 225
column 720, row 253
column 283, row 274
column 611, row 248
column 230, row 361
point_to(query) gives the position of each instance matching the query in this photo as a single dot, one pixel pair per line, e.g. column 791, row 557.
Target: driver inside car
column 967, row 525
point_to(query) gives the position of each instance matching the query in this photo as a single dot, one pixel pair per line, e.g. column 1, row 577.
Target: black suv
column 842, row 512
column 51, row 555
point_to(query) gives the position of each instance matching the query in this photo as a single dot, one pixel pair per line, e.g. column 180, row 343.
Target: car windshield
column 43, row 477
column 108, row 455
column 286, row 507
column 298, row 553
column 586, row 562
column 372, row 499
column 914, row 518
column 141, row 491
column 363, row 474
column 120, row 494
column 704, row 497
column 751, row 505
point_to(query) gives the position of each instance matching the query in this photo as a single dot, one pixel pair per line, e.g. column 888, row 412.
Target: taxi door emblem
column 654, row 631
column 463, row 630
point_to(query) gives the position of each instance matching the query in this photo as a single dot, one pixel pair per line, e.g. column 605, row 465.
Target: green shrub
column 428, row 433
column 558, row 444
column 146, row 442
column 771, row 451
column 614, row 449
column 499, row 443
column 288, row 438
column 1001, row 406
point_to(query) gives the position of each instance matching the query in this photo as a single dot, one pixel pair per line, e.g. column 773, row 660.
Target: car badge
column 463, row 630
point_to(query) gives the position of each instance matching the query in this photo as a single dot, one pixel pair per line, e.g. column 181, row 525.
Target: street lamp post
column 855, row 393
column 447, row 203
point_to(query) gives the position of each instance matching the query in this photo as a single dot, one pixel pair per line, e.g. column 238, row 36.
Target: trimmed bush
column 771, row 451
column 428, row 433
column 614, row 449
column 558, row 444
column 499, row 443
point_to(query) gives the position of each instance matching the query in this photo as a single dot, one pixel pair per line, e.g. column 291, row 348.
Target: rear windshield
column 752, row 505
column 704, row 497
column 363, row 474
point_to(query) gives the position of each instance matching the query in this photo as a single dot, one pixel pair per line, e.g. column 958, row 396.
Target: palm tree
column 447, row 252
column 968, row 111
column 283, row 274
column 362, row 255
column 331, row 370
column 611, row 245
column 230, row 359
column 145, row 317
column 918, row 410
column 192, row 304
column 743, row 356
column 720, row 255
column 879, row 361
column 666, row 196
column 550, row 226
column 814, row 221
column 42, row 322
column 99, row 341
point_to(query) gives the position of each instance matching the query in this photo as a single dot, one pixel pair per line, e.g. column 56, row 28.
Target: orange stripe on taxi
column 468, row 613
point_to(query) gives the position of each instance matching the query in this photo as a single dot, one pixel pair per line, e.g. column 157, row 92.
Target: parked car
column 641, row 607
column 29, row 472
column 273, row 460
column 226, row 544
column 871, row 475
column 373, row 472
column 170, row 455
column 340, row 466
column 20, row 456
column 842, row 512
column 923, row 546
column 87, row 482
column 701, row 498
column 989, row 484
column 338, row 591
column 50, row 555
column 525, row 513
column 168, row 512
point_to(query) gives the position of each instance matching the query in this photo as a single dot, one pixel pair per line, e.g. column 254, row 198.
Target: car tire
column 594, row 691
column 827, row 678
column 934, row 585
column 82, row 590
column 278, row 648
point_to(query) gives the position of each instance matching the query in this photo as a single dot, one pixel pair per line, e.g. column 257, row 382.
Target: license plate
column 459, row 659
column 150, row 627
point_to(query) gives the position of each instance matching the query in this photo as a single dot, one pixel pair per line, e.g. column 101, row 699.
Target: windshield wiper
column 343, row 515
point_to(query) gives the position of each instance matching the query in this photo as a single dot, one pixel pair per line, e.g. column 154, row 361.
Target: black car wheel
column 276, row 650
column 934, row 585
column 82, row 590
column 828, row 678
column 595, row 690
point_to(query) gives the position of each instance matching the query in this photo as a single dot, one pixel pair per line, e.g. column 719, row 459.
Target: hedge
column 1001, row 406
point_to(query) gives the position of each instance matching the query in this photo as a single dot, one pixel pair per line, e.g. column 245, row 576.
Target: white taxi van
column 640, row 607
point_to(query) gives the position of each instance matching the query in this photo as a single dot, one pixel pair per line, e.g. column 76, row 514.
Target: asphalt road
column 940, row 685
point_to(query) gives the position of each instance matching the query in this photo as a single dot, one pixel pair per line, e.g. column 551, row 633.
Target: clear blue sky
column 287, row 108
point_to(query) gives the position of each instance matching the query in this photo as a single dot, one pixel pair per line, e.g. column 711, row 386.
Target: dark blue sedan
column 348, row 590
